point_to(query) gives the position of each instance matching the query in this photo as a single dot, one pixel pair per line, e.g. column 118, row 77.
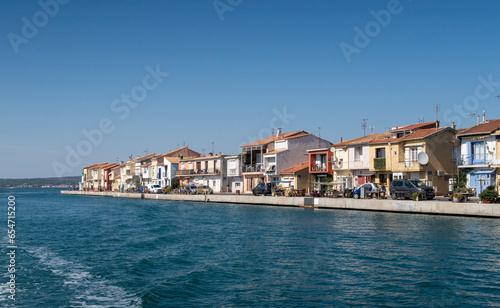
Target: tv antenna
column 471, row 115
column 437, row 110
column 363, row 126
column 319, row 136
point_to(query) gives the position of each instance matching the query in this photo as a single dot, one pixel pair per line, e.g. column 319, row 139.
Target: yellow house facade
column 399, row 157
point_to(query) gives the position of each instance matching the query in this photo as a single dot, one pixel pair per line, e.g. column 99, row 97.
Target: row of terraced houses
column 302, row 161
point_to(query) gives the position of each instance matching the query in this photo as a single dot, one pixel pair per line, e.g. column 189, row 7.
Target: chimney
column 341, row 139
column 484, row 116
column 453, row 125
column 278, row 132
column 477, row 120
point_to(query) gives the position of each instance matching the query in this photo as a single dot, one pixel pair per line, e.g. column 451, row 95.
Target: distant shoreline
column 62, row 182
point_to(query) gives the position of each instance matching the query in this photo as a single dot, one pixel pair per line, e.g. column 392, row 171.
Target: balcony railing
column 319, row 168
column 477, row 159
column 184, row 172
column 253, row 168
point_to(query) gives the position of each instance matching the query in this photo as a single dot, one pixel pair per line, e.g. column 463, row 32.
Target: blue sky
column 236, row 69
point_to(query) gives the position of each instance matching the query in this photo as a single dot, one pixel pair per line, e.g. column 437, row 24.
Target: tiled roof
column 273, row 138
column 145, row 157
column 296, row 168
column 363, row 140
column 485, row 128
column 172, row 160
column 417, row 134
column 201, row 158
column 414, row 126
column 94, row 166
column 186, row 151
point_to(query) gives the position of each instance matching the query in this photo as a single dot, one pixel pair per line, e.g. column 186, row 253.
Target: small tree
column 175, row 183
column 460, row 181
column 137, row 184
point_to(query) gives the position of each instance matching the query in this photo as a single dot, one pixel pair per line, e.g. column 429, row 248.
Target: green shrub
column 417, row 195
column 490, row 195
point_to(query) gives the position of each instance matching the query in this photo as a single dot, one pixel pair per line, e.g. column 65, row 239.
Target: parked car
column 262, row 189
column 204, row 189
column 191, row 189
column 367, row 186
column 404, row 189
column 154, row 188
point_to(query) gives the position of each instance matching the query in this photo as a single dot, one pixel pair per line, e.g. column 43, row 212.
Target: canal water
column 77, row 251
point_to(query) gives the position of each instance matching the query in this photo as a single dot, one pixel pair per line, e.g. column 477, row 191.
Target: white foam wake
column 89, row 290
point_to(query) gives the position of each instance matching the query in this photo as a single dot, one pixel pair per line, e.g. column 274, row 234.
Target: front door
column 480, row 181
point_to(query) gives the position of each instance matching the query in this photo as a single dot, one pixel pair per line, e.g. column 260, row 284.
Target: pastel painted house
column 204, row 170
column 480, row 157
column 397, row 156
column 342, row 176
column 358, row 159
column 296, row 177
column 165, row 166
column 233, row 173
column 264, row 159
column 320, row 167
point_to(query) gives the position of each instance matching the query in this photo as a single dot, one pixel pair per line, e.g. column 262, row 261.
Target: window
column 380, row 153
column 358, row 153
column 478, row 151
column 411, row 154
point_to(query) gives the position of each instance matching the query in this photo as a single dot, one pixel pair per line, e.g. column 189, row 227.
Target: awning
column 491, row 171
column 282, row 181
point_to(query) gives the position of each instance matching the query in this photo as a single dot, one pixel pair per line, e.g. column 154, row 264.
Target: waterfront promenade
column 385, row 205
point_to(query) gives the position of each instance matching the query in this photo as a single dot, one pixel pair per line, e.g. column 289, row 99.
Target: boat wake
column 89, row 290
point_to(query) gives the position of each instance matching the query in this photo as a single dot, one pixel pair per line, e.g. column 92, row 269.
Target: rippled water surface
column 79, row 251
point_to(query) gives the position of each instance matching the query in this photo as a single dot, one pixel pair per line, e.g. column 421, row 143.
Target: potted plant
column 489, row 195
column 457, row 197
column 417, row 196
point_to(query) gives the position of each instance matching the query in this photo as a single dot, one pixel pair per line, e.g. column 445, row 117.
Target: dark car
column 404, row 189
column 262, row 189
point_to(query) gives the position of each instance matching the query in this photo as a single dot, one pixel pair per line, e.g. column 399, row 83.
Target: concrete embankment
column 385, row 205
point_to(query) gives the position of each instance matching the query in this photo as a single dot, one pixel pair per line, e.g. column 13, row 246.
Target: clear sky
column 142, row 76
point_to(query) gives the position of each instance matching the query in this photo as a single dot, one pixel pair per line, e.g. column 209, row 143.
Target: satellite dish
column 423, row 158
column 332, row 149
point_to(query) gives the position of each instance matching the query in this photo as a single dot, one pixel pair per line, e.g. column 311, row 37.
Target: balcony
column 184, row 172
column 271, row 169
column 339, row 165
column 319, row 168
column 206, row 171
column 379, row 163
column 409, row 165
column 477, row 159
column 253, row 168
